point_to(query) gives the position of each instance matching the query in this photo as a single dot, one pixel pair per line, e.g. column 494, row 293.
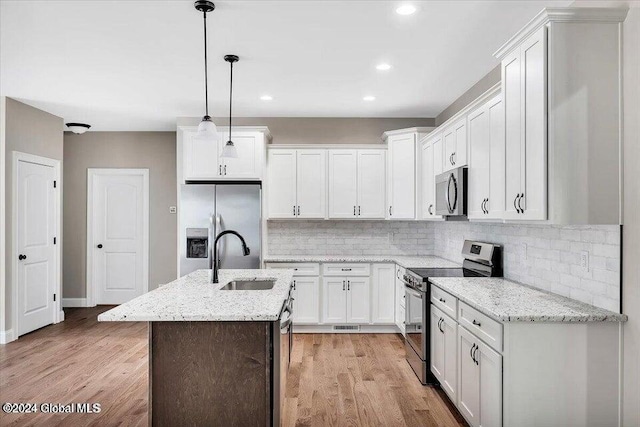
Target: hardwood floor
column 335, row 379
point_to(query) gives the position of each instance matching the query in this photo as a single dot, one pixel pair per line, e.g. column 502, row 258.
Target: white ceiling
column 137, row 65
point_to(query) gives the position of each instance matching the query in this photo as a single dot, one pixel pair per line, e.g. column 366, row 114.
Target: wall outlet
column 172, row 209
column 584, row 261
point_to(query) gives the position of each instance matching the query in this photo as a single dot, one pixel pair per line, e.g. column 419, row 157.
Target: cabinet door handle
column 430, row 210
column 294, row 285
column 440, row 324
column 389, row 210
column 473, row 347
column 348, row 285
column 520, row 201
column 475, row 322
column 225, row 169
column 486, row 205
column 354, row 210
column 344, row 284
column 220, row 170
column 454, row 157
column 441, row 300
column 474, row 355
column 21, row 257
column 99, row 246
column 294, row 210
column 298, row 210
column 359, row 210
column 515, row 206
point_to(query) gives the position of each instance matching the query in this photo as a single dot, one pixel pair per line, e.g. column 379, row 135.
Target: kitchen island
column 216, row 356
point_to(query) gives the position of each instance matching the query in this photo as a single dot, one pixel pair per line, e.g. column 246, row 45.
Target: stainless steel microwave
column 451, row 192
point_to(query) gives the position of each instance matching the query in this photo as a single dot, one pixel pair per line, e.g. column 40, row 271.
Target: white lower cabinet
column 480, row 381
column 346, row 300
column 306, row 291
column 400, row 299
column 384, row 294
column 444, row 355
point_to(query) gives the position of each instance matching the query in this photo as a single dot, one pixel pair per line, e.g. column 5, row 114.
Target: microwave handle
column 452, row 180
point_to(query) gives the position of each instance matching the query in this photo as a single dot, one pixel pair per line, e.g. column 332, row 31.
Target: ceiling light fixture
column 206, row 129
column 229, row 150
column 406, row 9
column 369, row 98
column 266, row 98
column 383, row 67
column 78, row 128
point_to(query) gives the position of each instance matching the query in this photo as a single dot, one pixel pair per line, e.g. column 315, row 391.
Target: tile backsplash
column 544, row 256
column 547, row 256
column 301, row 237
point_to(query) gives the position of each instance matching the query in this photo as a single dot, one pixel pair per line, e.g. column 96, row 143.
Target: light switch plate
column 172, row 209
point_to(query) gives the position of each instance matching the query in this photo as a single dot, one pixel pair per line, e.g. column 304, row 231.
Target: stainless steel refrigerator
column 208, row 209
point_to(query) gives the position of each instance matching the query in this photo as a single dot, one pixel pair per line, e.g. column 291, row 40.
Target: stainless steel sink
column 249, row 285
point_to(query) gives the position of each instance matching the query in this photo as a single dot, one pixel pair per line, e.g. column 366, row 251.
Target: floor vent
column 346, row 328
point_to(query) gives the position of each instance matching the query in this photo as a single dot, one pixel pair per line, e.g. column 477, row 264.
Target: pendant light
column 206, row 129
column 229, row 149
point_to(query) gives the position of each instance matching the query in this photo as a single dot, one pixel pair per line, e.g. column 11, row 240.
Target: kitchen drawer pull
column 442, row 300
column 475, row 322
column 389, row 210
column 345, row 269
column 294, row 210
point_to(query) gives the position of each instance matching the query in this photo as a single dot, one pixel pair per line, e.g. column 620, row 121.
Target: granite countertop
column 404, row 261
column 508, row 301
column 193, row 298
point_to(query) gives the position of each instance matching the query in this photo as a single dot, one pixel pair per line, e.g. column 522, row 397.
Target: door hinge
column 54, row 297
column 54, row 240
column 54, row 184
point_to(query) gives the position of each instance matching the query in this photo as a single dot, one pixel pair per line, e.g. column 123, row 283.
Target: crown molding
column 562, row 14
column 389, row 133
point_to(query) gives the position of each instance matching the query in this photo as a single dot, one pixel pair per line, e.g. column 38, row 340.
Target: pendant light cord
column 230, row 99
column 206, row 74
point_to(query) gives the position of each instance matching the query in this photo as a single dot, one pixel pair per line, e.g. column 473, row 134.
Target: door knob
column 21, row 257
column 100, row 246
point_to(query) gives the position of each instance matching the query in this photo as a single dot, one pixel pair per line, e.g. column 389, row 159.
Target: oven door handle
column 285, row 322
column 413, row 292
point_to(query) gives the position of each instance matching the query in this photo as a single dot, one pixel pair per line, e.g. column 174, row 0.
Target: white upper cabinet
column 311, row 179
column 343, row 183
column 281, row 197
column 455, row 145
column 297, row 183
column 372, row 173
column 202, row 161
column 524, row 88
column 486, row 161
column 429, row 163
column 357, row 183
column 402, row 177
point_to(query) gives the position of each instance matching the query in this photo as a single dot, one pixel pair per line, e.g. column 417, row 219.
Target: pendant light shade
column 206, row 129
column 229, row 150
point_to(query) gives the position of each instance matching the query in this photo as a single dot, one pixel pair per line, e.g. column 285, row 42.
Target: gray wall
column 153, row 150
column 318, row 130
column 31, row 131
column 483, row 85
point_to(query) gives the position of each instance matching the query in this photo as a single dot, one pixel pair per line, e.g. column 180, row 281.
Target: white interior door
column 35, row 228
column 372, row 174
column 117, row 238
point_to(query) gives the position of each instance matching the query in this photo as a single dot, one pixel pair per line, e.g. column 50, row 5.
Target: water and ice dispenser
column 197, row 242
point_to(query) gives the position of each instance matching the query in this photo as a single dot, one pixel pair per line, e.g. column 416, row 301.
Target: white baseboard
column 74, row 302
column 328, row 329
column 7, row 336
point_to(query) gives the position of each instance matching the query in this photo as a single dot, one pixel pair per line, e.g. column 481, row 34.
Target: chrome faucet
column 245, row 251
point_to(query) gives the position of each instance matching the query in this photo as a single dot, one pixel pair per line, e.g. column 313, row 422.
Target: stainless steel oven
column 451, row 192
column 480, row 259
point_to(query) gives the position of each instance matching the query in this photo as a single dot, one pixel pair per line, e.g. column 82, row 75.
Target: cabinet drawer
column 444, row 301
column 346, row 269
column 299, row 268
column 481, row 325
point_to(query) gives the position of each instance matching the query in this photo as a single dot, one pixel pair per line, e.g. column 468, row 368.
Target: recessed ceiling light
column 406, row 9
column 369, row 98
column 266, row 97
column 383, row 67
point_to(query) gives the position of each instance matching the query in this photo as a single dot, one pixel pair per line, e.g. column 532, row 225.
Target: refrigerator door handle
column 212, row 238
column 218, row 231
